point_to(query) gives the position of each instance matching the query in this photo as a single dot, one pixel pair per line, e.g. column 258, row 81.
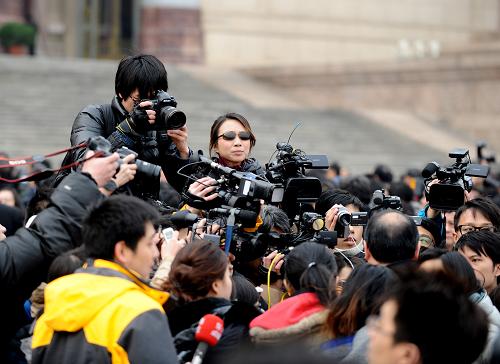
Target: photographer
column 25, row 257
column 131, row 122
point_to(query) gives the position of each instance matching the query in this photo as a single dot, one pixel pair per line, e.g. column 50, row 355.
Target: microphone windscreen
column 209, row 329
column 183, row 219
column 247, row 218
column 430, row 169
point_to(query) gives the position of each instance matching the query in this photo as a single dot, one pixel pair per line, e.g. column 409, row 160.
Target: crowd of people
column 124, row 257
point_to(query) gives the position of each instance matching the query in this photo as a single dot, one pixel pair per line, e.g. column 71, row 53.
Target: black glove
column 136, row 123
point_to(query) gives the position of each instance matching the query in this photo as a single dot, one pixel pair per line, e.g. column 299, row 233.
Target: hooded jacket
column 296, row 318
column 102, row 314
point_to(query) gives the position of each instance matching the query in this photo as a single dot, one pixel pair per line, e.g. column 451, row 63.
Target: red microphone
column 208, row 333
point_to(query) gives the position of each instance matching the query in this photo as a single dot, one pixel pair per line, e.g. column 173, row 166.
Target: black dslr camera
column 167, row 116
column 145, row 169
column 448, row 193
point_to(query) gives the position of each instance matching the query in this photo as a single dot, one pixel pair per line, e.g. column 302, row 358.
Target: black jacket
column 183, row 321
column 25, row 257
column 154, row 147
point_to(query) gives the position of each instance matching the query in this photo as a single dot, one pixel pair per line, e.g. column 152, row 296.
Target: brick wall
column 172, row 34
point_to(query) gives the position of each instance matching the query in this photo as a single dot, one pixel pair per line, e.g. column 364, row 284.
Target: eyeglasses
column 231, row 135
column 373, row 322
column 464, row 229
column 426, row 241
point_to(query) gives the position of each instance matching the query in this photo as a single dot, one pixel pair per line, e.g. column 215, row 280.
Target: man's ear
column 120, row 252
column 368, row 255
column 455, row 237
column 496, row 270
column 417, row 251
column 407, row 353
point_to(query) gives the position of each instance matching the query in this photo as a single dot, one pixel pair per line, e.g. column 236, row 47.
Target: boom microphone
column 208, row 333
column 430, row 169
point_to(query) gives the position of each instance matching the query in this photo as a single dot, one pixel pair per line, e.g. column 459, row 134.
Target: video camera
column 288, row 171
column 448, row 193
column 167, row 116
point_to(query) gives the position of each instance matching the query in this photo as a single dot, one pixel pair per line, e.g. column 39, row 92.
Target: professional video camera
column 236, row 189
column 288, row 171
column 167, row 116
column 448, row 193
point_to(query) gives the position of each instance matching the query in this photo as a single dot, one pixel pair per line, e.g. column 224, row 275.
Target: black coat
column 25, row 257
column 153, row 147
column 183, row 321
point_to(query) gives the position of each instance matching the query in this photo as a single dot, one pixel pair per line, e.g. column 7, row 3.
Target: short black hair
column 436, row 315
column 485, row 206
column 329, row 198
column 485, row 243
column 143, row 72
column 391, row 236
column 274, row 217
column 360, row 186
column 118, row 218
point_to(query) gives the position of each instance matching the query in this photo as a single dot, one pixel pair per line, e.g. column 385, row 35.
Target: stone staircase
column 39, row 99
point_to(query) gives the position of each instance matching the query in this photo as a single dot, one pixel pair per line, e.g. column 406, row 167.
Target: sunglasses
column 231, row 135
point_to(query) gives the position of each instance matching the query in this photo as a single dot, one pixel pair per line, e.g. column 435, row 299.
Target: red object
column 209, row 329
column 289, row 312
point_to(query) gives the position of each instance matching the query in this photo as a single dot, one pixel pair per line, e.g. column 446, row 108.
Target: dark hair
column 383, row 172
column 311, row 267
column 360, row 186
column 485, row 243
column 329, row 198
column 431, row 253
column 143, row 72
column 457, row 267
column 214, row 130
column 118, row 218
column 434, row 314
column 244, row 290
column 391, row 236
column 485, row 206
column 39, row 201
column 361, row 297
column 66, row 263
column 195, row 268
column 274, row 217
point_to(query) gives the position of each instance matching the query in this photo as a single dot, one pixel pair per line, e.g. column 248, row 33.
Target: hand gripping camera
column 167, row 116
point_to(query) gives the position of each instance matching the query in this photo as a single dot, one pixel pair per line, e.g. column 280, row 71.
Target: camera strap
column 30, row 160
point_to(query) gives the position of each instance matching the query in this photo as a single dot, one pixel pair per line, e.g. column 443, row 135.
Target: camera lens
column 172, row 118
column 148, row 170
column 344, row 216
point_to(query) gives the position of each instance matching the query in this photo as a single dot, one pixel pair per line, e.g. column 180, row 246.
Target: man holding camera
column 141, row 117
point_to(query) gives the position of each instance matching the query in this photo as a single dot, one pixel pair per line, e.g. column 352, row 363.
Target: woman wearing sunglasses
column 231, row 140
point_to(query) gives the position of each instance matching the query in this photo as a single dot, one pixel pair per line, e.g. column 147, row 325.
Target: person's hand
column 142, row 116
column 127, row 171
column 267, row 260
column 170, row 247
column 101, row 169
column 179, row 137
column 3, row 230
column 331, row 217
column 203, row 188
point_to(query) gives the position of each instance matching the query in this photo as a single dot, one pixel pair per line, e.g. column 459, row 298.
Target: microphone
column 246, row 217
column 208, row 333
column 183, row 219
column 430, row 169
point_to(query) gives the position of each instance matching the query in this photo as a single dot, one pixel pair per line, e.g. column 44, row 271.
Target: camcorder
column 288, row 170
column 167, row 116
column 447, row 194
